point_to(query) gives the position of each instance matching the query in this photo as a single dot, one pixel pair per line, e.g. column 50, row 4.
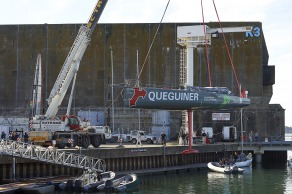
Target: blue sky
column 275, row 16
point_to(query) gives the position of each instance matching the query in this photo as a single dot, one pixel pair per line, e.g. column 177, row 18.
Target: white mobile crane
column 70, row 130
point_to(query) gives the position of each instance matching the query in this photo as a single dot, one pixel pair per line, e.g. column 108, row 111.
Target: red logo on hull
column 137, row 93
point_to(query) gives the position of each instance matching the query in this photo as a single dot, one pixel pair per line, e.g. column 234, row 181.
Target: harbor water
column 274, row 179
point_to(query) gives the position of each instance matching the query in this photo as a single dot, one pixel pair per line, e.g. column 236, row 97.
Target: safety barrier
column 50, row 155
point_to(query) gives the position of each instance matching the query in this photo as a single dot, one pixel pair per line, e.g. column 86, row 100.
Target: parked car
column 144, row 137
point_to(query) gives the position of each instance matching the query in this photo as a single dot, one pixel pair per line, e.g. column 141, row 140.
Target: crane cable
column 120, row 94
column 138, row 77
column 206, row 45
column 234, row 72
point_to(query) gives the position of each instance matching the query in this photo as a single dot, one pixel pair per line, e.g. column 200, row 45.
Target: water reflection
column 258, row 179
column 218, row 182
column 288, row 182
column 229, row 183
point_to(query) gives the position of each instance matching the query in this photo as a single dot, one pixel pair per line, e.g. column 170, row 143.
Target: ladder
column 182, row 83
column 182, row 69
column 49, row 155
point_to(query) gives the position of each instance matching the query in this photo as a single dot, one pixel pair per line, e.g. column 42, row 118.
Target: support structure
column 190, row 123
column 259, row 158
column 190, row 37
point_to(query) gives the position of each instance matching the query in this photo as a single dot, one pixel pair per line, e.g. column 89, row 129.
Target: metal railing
column 50, row 155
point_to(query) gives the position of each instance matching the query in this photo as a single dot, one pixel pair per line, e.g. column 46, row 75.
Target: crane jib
column 96, row 14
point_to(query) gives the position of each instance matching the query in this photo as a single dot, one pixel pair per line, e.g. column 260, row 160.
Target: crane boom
column 71, row 64
column 70, row 130
column 37, row 88
column 96, row 13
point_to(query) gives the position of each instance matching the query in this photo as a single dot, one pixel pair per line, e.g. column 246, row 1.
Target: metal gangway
column 50, row 155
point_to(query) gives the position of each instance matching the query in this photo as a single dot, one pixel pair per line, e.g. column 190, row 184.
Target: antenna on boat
column 241, row 127
column 138, row 85
column 113, row 104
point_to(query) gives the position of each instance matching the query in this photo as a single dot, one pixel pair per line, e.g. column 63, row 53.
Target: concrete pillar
column 121, row 164
column 50, row 169
column 130, row 163
column 13, row 168
column 157, row 163
column 31, row 169
column 146, row 162
column 113, row 164
column 62, row 170
column 259, row 158
column 142, row 162
column 138, row 160
column 117, row 162
column 150, row 162
column 4, row 171
column 24, row 170
column 68, row 170
column 126, row 162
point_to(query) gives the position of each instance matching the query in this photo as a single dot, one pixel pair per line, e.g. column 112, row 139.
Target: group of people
column 15, row 136
column 226, row 161
column 234, row 158
column 185, row 137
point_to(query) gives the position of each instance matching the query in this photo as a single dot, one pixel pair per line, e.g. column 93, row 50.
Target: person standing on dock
column 16, row 136
column 235, row 157
column 187, row 138
column 3, row 135
column 184, row 138
column 250, row 136
column 204, row 135
column 10, row 135
column 163, row 139
column 25, row 136
column 54, row 138
column 138, row 139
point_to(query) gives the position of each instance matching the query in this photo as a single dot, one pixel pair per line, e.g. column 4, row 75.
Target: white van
column 229, row 133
